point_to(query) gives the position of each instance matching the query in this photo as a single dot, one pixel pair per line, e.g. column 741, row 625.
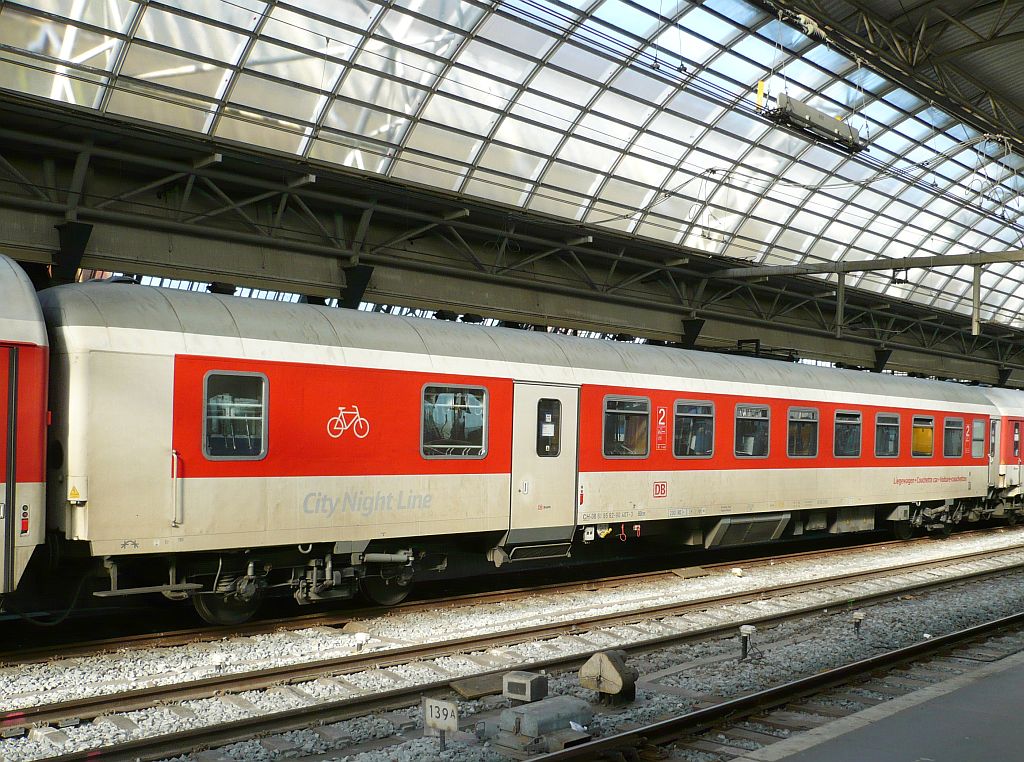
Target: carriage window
column 887, row 435
column 626, row 427
column 454, row 422
column 923, row 437
column 751, row 431
column 802, row 441
column 978, row 438
column 1016, row 439
column 847, row 435
column 953, row 438
column 549, row 428
column 235, row 416
column 695, row 430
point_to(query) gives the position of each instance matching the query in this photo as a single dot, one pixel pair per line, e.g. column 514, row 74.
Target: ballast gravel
column 80, row 677
column 711, row 667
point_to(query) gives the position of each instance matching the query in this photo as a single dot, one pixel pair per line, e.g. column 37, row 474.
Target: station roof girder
column 173, row 208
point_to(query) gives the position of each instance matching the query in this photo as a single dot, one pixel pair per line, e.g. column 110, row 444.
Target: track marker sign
column 442, row 716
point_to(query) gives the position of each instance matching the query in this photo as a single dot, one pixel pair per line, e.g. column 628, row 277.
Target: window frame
column 899, row 432
column 264, row 414
column 604, row 424
column 835, row 426
column 984, row 447
column 963, row 427
column 484, row 443
column 913, row 425
column 713, row 417
column 817, row 430
column 735, row 432
column 558, row 429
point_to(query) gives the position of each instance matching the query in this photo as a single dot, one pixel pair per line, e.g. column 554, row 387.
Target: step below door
column 544, row 466
column 8, row 463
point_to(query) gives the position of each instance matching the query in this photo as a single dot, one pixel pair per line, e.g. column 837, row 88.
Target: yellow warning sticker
column 74, row 493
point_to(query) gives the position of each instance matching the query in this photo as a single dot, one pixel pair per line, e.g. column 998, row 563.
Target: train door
column 1014, row 454
column 8, row 455
column 994, row 453
column 544, row 470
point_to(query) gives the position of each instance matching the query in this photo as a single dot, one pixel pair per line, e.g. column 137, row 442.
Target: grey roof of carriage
column 131, row 306
column 20, row 318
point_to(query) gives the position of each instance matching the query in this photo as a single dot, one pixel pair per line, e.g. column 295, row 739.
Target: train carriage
column 217, row 448
column 23, row 367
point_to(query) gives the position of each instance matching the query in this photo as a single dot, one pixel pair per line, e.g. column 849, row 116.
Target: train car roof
column 1007, row 401
column 21, row 320
column 119, row 305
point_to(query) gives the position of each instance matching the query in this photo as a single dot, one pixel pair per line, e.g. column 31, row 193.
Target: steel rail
column 673, row 729
column 336, row 618
column 64, row 712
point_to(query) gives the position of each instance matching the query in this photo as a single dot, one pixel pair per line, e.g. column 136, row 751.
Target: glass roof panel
column 636, row 117
column 315, row 33
column 514, row 35
column 633, row 167
column 447, row 12
column 57, row 41
column 140, row 101
column 387, row 59
column 244, row 126
column 631, row 20
column 268, row 95
column 371, row 123
column 554, row 113
column 394, row 94
column 319, row 71
column 582, row 62
column 459, row 115
column 187, row 34
column 528, row 136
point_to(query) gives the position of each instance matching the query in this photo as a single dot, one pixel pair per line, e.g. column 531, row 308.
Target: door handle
column 176, row 517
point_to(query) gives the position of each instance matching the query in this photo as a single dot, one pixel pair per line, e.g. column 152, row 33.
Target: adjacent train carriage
column 216, row 448
column 23, row 364
column 1005, row 445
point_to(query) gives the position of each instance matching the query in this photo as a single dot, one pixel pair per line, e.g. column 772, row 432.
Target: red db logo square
column 661, row 489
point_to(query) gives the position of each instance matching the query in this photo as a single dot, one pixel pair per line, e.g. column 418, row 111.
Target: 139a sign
column 440, row 715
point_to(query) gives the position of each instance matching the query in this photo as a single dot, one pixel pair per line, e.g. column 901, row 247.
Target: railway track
column 338, row 619
column 710, row 617
column 792, row 705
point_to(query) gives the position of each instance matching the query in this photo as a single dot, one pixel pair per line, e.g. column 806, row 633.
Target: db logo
column 661, row 489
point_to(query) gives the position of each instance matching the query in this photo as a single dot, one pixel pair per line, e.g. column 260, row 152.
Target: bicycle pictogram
column 348, row 419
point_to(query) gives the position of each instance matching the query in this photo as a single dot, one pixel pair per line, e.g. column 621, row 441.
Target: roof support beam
column 874, row 265
column 78, row 182
column 840, row 305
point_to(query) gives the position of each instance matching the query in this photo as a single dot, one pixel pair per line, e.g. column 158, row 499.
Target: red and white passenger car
column 216, row 448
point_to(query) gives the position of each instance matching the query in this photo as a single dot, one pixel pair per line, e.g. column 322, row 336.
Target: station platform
column 975, row 717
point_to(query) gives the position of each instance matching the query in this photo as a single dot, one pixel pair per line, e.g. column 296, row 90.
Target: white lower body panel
column 257, row 512
column 29, row 501
column 657, row 495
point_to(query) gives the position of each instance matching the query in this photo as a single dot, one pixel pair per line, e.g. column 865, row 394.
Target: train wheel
column 943, row 531
column 1011, row 519
column 225, row 610
column 385, row 592
column 902, row 530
